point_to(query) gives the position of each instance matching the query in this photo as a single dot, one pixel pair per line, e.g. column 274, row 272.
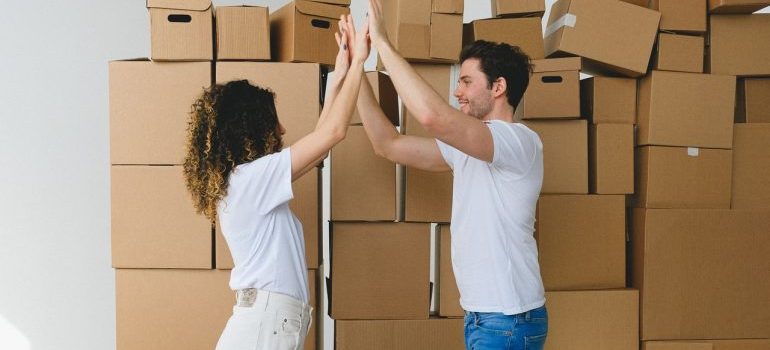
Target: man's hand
column 377, row 30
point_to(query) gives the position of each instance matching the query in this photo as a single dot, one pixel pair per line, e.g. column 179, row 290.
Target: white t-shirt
column 494, row 253
column 264, row 236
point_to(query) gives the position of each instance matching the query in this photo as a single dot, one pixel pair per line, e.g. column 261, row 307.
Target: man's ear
column 501, row 87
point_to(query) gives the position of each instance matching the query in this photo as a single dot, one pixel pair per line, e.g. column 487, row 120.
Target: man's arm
column 418, row 152
column 468, row 134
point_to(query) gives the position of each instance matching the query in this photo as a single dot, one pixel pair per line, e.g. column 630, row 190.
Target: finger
column 337, row 38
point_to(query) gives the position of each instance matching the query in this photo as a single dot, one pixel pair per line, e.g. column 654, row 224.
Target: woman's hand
column 342, row 62
column 358, row 42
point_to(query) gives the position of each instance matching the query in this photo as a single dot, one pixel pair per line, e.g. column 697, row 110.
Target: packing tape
column 693, row 152
column 568, row 20
column 454, row 77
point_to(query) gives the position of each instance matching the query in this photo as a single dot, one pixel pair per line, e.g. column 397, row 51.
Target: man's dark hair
column 501, row 60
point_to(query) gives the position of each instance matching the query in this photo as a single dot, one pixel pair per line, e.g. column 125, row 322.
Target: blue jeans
column 493, row 330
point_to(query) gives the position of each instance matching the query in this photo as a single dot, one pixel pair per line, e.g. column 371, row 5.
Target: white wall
column 56, row 283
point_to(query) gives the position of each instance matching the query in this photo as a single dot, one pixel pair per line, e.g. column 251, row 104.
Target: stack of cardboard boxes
column 172, row 265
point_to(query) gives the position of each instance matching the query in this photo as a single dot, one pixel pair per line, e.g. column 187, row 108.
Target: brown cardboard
column 154, row 223
column 517, row 8
column 642, row 3
column 753, row 103
column 686, row 109
column 614, row 316
column 385, row 94
column 680, row 53
column 686, row 16
column 345, row 3
column 305, row 205
column 379, row 271
column 181, row 30
column 427, row 195
column 736, row 6
column 526, row 33
column 729, row 344
column 297, row 102
column 751, row 167
column 150, row 107
column 303, row 31
column 565, row 155
column 581, row 241
column 161, row 309
column 613, row 36
column 680, row 177
column 553, row 90
column 431, row 334
column 448, row 295
column 363, row 184
column 243, row 33
column 423, row 35
column 695, row 266
column 608, row 100
column 747, row 34
column 448, row 6
column 611, row 158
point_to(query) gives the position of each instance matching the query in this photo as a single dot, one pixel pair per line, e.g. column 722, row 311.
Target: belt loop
column 527, row 316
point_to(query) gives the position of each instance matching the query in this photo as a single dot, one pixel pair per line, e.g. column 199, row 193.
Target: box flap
column 193, row 5
column 556, row 64
column 321, row 10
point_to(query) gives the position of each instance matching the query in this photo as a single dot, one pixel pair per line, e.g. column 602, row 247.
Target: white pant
column 274, row 322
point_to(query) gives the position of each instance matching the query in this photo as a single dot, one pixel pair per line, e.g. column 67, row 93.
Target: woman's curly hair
column 230, row 124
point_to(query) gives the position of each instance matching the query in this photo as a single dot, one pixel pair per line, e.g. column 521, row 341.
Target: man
column 498, row 171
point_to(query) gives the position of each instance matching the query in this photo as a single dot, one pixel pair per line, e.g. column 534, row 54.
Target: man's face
column 473, row 92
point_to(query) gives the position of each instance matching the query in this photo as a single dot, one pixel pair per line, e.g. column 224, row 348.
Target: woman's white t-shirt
column 264, row 236
column 494, row 253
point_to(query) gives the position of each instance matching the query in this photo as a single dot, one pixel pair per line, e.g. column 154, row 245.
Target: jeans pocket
column 497, row 324
column 535, row 342
column 288, row 322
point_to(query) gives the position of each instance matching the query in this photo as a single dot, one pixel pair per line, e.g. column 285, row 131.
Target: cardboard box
column 695, row 266
column 297, row 88
column 150, row 107
column 681, row 16
column 614, row 316
column 747, row 34
column 595, row 224
column 679, row 177
column 686, row 109
column 613, row 36
column 385, row 94
column 448, row 6
column 449, row 294
column 611, row 158
column 427, row 196
column 421, row 34
column 753, row 102
column 154, row 223
column 751, row 167
column 363, row 184
column 345, row 3
column 730, row 344
column 553, row 90
column 518, row 8
column 181, row 30
column 303, row 31
column 526, row 33
column 642, row 3
column 608, row 100
column 243, row 33
column 736, row 6
column 680, row 53
column 565, row 155
column 431, row 334
column 161, row 309
column 379, row 271
column 306, row 206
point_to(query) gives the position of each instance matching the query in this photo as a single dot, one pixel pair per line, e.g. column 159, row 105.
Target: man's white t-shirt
column 264, row 236
column 494, row 253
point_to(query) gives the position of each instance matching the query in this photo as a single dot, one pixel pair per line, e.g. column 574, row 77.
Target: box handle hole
column 552, row 79
column 319, row 23
column 179, row 18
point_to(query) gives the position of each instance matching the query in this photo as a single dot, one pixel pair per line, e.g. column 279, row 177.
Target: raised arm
column 468, row 134
column 332, row 126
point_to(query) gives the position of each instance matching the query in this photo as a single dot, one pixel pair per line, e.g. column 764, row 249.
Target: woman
column 239, row 174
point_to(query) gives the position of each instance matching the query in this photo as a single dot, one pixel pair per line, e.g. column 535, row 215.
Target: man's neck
column 502, row 111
